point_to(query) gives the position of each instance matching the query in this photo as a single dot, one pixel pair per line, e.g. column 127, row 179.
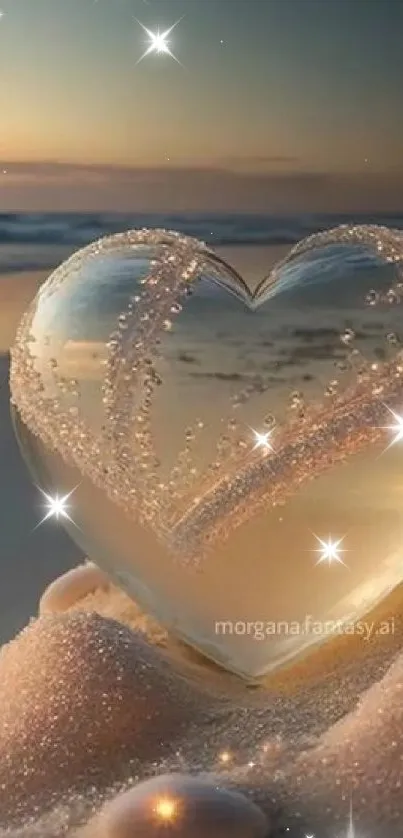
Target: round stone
column 179, row 806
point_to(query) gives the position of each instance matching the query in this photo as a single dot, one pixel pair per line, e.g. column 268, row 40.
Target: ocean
column 31, row 242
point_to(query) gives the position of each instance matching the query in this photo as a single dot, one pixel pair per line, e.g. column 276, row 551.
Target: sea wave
column 39, row 241
column 79, row 228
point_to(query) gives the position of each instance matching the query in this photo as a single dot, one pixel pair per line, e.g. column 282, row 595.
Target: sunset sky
column 279, row 105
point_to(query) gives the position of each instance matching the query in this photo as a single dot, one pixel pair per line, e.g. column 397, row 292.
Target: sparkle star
column 262, row 440
column 57, row 507
column 397, row 429
column 351, row 833
column 329, row 551
column 158, row 42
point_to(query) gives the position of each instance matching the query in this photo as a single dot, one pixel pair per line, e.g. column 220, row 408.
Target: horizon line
column 199, row 168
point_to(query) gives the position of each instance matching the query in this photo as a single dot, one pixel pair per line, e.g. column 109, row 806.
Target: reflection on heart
column 217, row 437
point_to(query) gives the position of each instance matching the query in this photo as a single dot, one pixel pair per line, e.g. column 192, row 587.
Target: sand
column 105, row 703
column 96, row 703
column 360, row 757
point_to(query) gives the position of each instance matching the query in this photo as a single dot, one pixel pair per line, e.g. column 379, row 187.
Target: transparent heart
column 227, row 449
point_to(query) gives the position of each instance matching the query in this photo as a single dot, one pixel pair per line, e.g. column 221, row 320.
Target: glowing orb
column 166, row 809
column 179, row 805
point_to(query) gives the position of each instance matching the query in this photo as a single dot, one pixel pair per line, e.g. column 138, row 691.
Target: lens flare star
column 262, row 440
column 158, row 42
column 397, row 429
column 351, row 833
column 57, row 507
column 329, row 551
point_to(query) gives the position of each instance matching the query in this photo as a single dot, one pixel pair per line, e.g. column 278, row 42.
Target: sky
column 276, row 105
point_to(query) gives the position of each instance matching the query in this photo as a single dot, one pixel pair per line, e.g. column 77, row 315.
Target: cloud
column 52, row 186
column 257, row 161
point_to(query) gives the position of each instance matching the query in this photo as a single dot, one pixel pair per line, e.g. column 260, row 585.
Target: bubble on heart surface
column 224, row 443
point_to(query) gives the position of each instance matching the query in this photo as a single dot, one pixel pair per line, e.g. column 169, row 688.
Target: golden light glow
column 166, row 809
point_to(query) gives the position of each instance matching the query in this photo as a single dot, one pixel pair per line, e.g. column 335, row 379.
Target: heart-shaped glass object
column 224, row 446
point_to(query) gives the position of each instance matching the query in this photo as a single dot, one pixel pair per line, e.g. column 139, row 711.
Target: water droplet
column 176, row 308
column 296, row 400
column 372, row 298
column 347, row 337
column 392, row 339
column 332, row 388
column 392, row 297
column 342, row 365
